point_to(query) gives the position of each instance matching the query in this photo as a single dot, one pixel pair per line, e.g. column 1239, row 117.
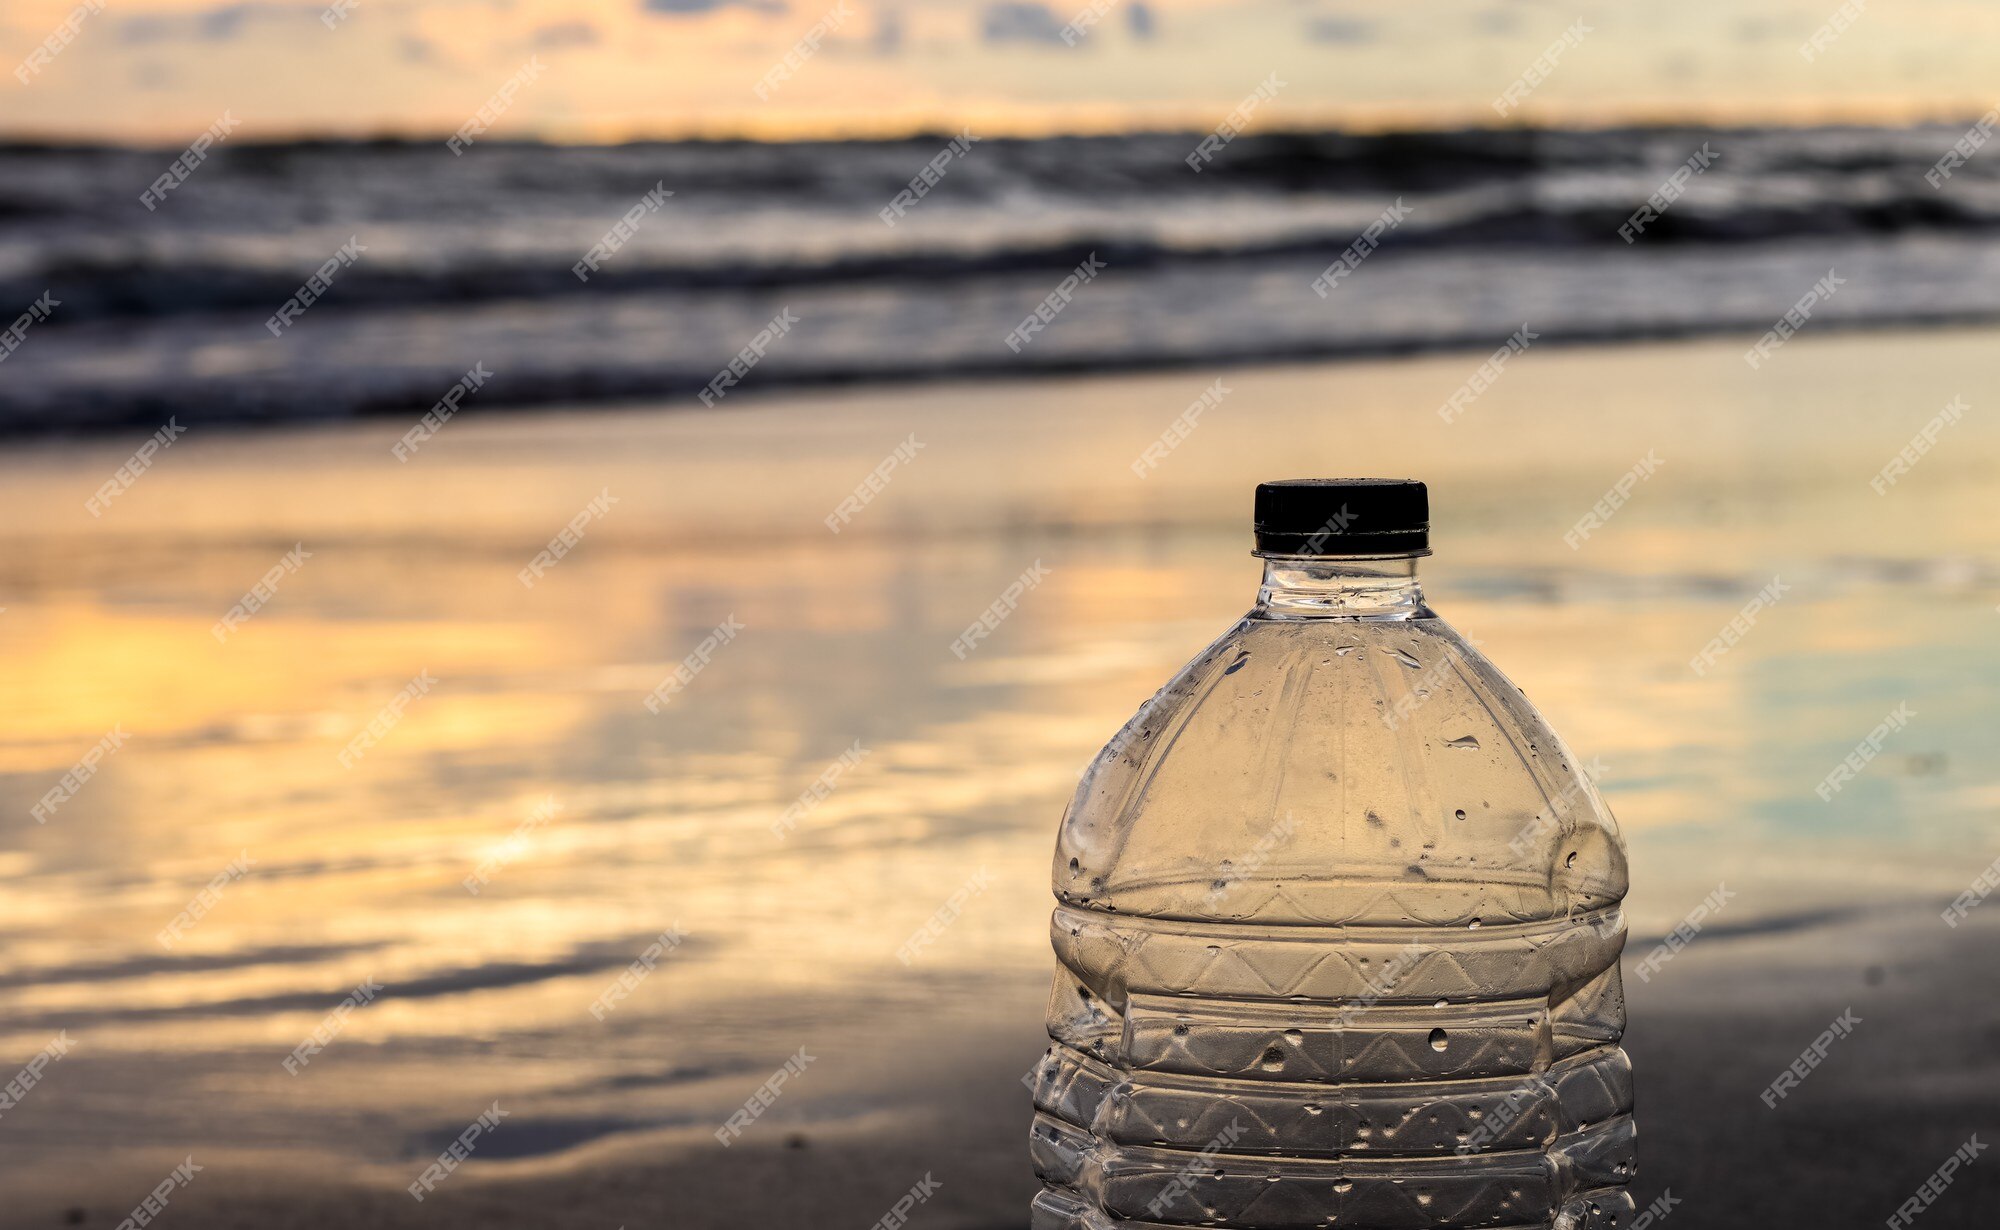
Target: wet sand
column 1715, row 1027
column 666, row 819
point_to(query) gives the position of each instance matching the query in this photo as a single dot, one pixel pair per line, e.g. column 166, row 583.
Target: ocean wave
column 162, row 312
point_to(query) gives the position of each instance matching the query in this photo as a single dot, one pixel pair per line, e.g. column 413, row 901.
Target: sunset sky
column 163, row 70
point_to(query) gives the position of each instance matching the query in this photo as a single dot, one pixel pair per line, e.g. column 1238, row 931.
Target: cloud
column 687, row 8
column 1139, row 19
column 565, row 34
column 213, row 25
column 1021, row 21
column 1344, row 30
column 888, row 39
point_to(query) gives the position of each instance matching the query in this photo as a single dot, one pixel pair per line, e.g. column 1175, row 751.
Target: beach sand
column 666, row 819
column 1713, row 1029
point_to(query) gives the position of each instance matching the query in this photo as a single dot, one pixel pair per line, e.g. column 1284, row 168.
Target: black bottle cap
column 1343, row 516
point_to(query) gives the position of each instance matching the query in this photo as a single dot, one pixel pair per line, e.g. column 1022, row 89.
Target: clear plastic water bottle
column 1338, row 925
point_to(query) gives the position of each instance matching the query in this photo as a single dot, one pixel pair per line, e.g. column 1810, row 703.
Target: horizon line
column 1055, row 123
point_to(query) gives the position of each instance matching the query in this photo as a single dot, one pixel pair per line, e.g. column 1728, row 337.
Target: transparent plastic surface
column 1337, row 941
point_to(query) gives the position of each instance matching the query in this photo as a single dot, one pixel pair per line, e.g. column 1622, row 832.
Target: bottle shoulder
column 1340, row 770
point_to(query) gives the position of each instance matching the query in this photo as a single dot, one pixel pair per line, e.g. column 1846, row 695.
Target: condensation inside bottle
column 1337, row 935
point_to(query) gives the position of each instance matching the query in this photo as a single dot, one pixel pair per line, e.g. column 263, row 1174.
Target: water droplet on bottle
column 1459, row 814
column 1314, row 1108
column 1274, row 1059
column 1463, row 741
column 1344, row 1186
column 1437, row 1039
column 1344, row 650
column 1294, row 1037
column 1443, row 1003
column 1270, row 1178
column 1181, row 1030
column 1237, row 665
column 1407, row 659
column 1571, row 860
column 1074, row 866
column 1473, row 925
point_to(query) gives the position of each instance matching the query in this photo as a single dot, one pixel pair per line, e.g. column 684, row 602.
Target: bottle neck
column 1320, row 587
